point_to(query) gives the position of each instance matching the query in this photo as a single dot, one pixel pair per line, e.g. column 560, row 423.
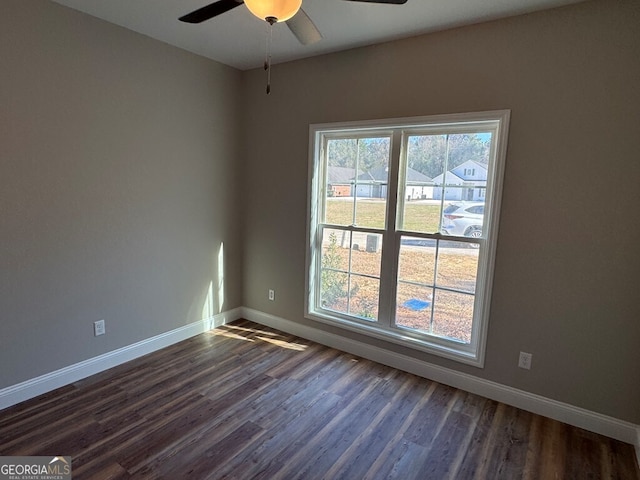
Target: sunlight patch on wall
column 207, row 308
column 214, row 301
column 220, row 277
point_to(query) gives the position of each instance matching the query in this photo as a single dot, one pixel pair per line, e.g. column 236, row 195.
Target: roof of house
column 381, row 174
column 452, row 179
column 340, row 175
column 346, row 175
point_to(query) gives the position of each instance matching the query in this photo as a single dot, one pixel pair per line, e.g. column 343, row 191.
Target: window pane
column 340, row 180
column 421, row 216
column 464, row 183
column 339, row 211
column 335, row 249
column 366, row 253
column 417, row 260
column 464, row 176
column 426, row 155
column 333, row 290
column 357, row 180
column 446, row 168
column 351, row 272
column 364, row 297
column 453, row 315
column 457, row 266
column 464, row 219
column 370, row 212
column 335, row 265
column 372, row 182
column 413, row 307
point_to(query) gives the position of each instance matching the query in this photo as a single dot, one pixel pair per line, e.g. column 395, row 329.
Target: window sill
column 438, row 347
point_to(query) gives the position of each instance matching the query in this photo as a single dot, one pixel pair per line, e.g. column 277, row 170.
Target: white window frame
column 495, row 121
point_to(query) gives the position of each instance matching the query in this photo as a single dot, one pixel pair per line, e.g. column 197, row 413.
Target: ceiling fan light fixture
column 280, row 10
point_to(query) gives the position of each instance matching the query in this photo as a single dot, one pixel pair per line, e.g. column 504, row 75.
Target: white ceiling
column 238, row 39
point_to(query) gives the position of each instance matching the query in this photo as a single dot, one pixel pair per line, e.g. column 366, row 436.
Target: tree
column 433, row 154
column 368, row 152
column 334, row 284
column 428, row 154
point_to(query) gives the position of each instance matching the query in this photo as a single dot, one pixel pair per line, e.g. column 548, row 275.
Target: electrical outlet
column 272, row 295
column 98, row 328
column 525, row 360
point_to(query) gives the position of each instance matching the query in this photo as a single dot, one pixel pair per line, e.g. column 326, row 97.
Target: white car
column 463, row 219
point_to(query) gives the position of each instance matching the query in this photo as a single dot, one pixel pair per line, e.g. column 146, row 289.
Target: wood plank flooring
column 247, row 402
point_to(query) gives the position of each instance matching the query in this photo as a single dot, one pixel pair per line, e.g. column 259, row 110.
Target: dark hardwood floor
column 248, row 402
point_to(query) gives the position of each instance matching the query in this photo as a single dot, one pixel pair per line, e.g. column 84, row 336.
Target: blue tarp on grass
column 415, row 304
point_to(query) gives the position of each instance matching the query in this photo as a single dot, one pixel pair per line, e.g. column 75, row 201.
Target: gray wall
column 118, row 163
column 568, row 258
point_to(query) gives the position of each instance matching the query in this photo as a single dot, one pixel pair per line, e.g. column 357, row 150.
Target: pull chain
column 267, row 60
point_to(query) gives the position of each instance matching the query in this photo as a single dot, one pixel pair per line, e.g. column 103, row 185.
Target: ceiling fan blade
column 390, row 2
column 210, row 11
column 303, row 28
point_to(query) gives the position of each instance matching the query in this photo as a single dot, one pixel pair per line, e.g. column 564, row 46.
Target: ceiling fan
column 273, row 11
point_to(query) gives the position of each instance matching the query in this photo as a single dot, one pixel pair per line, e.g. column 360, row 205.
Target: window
column 412, row 269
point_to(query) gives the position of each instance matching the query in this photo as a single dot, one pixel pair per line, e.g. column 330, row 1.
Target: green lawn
column 418, row 217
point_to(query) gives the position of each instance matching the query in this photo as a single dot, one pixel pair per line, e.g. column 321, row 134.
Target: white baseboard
column 579, row 417
column 45, row 383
